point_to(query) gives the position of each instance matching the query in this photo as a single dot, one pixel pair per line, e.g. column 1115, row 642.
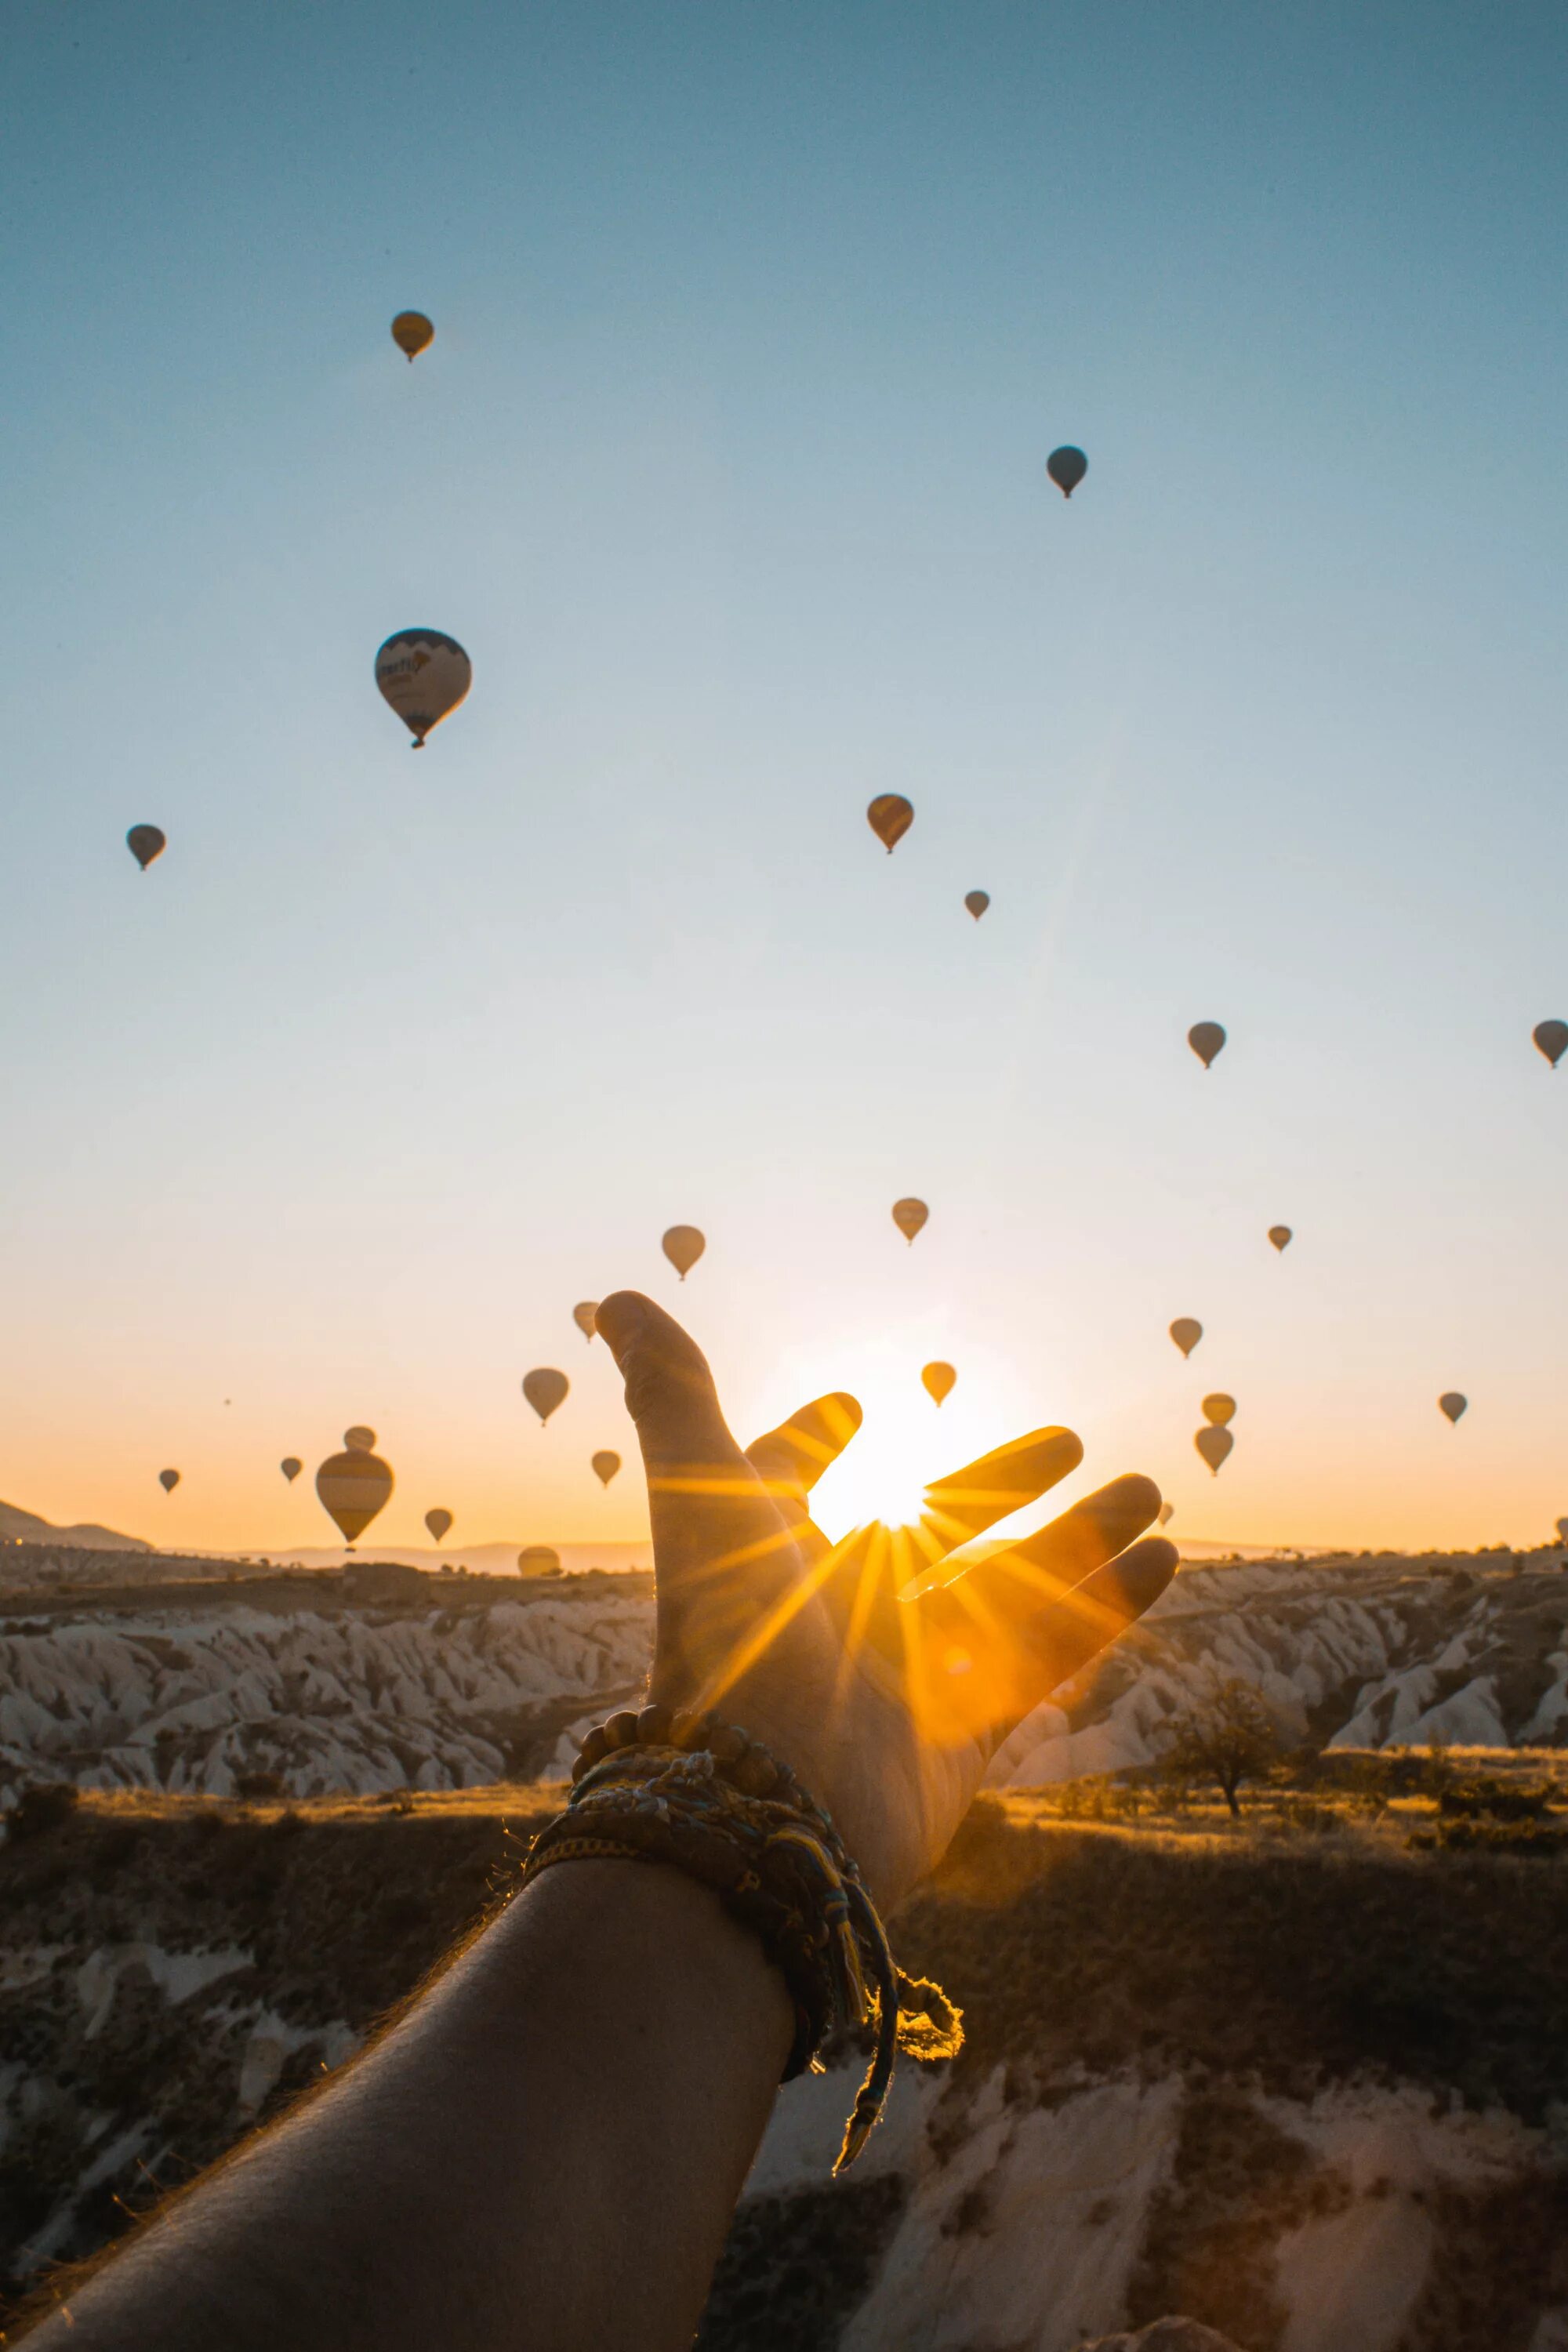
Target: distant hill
column 25, row 1527
column 492, row 1559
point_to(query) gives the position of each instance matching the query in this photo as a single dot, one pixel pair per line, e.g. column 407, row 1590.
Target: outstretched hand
column 882, row 1677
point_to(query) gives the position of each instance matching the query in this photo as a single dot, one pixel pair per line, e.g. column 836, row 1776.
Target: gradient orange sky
column 727, row 468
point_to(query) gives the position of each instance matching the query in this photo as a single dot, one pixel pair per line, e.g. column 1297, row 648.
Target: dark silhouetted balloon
column 1219, row 1408
column 584, row 1315
column 1066, row 468
column 1280, row 1236
column 977, row 901
column 1550, row 1037
column 424, row 675
column 359, row 1439
column 1167, row 1513
column 168, row 1480
column 1186, row 1333
column 1206, row 1039
column 290, row 1467
column 545, row 1389
column 937, row 1381
column 1562, row 1530
column 1452, row 1403
column 605, row 1467
column 910, row 1216
column 1214, row 1445
column 890, row 817
column 683, row 1245
column 146, row 842
column 437, row 1522
column 538, row 1560
column 353, row 1486
column 413, row 334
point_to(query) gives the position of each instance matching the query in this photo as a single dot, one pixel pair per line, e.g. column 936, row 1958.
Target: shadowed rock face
column 1272, row 2088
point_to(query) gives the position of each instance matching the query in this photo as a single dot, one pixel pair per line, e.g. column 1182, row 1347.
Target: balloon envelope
column 977, row 901
column 1066, row 468
column 1186, row 1333
column 352, row 1487
column 606, row 1466
column 1452, row 1403
column 1562, row 1529
column 1207, row 1038
column 584, row 1315
column 437, row 1522
column 538, row 1560
column 1167, row 1513
column 890, row 817
column 1214, row 1445
column 545, row 1389
column 146, row 842
column 1219, row 1408
column 413, row 334
column 1550, row 1037
column 360, row 1440
column 938, row 1382
column 910, row 1216
column 683, row 1245
column 290, row 1467
column 1280, row 1236
column 168, row 1480
column 423, row 674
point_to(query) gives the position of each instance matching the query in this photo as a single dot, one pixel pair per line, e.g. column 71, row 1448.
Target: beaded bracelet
column 686, row 1789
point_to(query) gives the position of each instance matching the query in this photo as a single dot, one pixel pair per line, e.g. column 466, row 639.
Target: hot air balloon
column 938, row 1382
column 1550, row 1037
column 605, row 1467
column 353, row 1486
column 1207, row 1038
column 168, row 1480
column 1167, row 1513
column 146, row 842
column 1214, row 1445
column 1452, row 1403
column 1186, row 1333
column 1562, row 1530
column 890, row 817
column 413, row 334
column 538, row 1560
column 544, row 1389
column 910, row 1216
column 437, row 1522
column 1219, row 1408
column 683, row 1245
column 1280, row 1236
column 1066, row 468
column 977, row 901
column 290, row 1467
column 360, row 1440
column 584, row 1315
column 424, row 675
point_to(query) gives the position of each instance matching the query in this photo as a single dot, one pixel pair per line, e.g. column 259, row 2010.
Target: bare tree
column 1228, row 1737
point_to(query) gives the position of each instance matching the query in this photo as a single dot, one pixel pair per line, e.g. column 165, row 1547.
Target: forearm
column 544, row 2153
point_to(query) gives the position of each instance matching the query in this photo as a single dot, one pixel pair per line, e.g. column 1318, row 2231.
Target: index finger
column 790, row 1459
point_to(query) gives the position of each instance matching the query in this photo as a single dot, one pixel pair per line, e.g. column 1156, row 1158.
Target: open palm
column 882, row 1670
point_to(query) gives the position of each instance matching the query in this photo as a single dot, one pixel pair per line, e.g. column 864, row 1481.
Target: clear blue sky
column 754, row 327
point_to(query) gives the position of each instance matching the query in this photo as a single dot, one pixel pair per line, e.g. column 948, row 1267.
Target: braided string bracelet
column 685, row 1789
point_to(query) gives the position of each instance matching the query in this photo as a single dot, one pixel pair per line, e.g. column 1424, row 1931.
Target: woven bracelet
column 701, row 1795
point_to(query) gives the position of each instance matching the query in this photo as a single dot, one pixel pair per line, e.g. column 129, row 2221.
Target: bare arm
column 545, row 2152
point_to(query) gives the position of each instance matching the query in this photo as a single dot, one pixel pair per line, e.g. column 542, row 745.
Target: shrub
column 43, row 1806
column 258, row 1784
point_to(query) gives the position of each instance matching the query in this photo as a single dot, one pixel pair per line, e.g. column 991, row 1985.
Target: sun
column 884, row 1474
